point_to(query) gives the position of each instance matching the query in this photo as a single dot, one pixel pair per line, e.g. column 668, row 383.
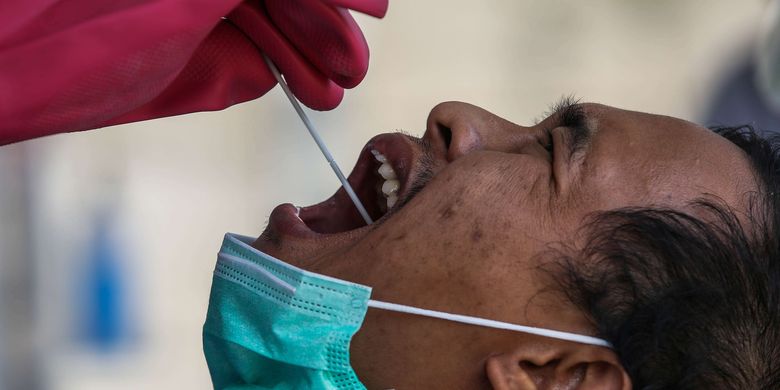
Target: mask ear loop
column 320, row 143
column 555, row 334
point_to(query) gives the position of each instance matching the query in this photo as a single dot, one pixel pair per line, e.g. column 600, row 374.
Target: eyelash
column 571, row 115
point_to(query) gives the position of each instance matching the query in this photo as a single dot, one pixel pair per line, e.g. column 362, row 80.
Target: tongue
column 335, row 215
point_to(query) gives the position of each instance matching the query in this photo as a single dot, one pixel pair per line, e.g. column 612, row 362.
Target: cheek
column 476, row 204
column 468, row 229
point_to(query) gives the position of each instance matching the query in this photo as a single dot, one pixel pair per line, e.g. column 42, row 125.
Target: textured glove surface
column 80, row 64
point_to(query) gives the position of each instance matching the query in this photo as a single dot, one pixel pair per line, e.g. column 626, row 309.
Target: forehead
column 662, row 160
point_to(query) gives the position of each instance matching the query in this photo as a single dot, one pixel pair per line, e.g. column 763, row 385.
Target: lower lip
column 284, row 221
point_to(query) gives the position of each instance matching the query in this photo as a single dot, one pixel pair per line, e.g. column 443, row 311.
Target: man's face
column 481, row 200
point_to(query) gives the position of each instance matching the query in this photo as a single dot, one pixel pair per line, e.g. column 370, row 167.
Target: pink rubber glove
column 317, row 46
column 70, row 65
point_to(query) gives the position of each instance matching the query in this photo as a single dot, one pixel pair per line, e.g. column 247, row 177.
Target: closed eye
column 548, row 143
column 569, row 114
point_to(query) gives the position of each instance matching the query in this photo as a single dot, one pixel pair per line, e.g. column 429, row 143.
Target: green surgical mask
column 271, row 325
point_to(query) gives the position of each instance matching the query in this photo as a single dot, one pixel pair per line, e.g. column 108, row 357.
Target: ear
column 553, row 364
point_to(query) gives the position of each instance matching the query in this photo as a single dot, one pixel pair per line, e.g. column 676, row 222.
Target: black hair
column 688, row 300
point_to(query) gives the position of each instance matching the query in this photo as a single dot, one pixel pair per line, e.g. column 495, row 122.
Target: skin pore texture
column 490, row 199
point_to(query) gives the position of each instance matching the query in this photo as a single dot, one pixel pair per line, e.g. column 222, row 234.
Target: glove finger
column 326, row 36
column 225, row 69
column 375, row 8
column 310, row 86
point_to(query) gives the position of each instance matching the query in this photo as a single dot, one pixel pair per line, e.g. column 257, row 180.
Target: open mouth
column 379, row 179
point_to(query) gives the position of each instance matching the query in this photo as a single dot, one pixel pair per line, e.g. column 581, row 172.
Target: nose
column 455, row 129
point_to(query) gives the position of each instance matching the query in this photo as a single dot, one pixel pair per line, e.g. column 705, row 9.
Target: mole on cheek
column 476, row 234
column 447, row 212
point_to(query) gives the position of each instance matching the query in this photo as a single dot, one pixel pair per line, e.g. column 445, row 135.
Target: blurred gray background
column 108, row 238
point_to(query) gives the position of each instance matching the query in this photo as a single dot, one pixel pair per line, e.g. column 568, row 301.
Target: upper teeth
column 390, row 187
column 391, row 184
column 387, row 172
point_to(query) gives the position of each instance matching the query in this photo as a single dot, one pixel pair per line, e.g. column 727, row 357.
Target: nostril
column 446, row 135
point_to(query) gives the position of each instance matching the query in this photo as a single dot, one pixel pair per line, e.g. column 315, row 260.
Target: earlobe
column 556, row 365
column 605, row 375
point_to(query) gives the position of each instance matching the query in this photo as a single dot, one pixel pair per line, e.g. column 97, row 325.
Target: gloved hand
column 316, row 44
column 63, row 69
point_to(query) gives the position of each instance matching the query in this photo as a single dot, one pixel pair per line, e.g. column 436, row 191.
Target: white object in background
column 767, row 57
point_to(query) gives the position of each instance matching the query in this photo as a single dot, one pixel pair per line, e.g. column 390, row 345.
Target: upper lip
column 398, row 150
